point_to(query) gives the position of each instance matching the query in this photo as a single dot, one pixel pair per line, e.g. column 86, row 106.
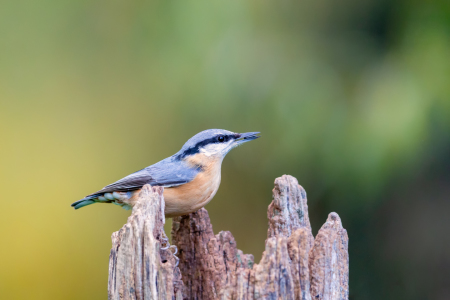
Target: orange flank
column 190, row 197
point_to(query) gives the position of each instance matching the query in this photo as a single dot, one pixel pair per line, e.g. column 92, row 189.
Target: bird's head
column 215, row 142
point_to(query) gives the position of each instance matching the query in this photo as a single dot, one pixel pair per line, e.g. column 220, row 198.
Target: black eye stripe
column 214, row 140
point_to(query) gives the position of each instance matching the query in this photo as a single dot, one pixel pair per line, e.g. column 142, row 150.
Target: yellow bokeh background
column 351, row 98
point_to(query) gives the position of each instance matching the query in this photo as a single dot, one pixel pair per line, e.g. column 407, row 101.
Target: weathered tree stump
column 138, row 269
column 293, row 265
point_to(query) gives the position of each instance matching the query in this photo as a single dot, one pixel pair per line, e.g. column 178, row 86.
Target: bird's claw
column 165, row 242
column 175, row 251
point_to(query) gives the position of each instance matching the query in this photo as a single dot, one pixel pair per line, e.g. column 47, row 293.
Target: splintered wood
column 138, row 269
column 293, row 266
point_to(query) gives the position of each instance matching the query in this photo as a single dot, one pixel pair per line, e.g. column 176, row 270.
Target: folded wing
column 166, row 173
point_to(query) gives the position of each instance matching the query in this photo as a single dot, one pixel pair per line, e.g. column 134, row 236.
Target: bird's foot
column 165, row 243
column 166, row 246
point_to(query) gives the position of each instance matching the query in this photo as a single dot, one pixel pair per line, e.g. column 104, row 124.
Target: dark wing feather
column 167, row 173
column 129, row 183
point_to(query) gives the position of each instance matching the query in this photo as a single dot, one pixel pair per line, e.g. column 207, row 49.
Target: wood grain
column 138, row 269
column 293, row 266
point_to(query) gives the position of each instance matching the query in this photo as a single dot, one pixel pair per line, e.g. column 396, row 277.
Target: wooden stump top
column 294, row 265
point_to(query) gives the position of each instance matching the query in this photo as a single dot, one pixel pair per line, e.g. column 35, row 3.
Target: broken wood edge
column 290, row 268
column 138, row 269
column 294, row 265
column 329, row 261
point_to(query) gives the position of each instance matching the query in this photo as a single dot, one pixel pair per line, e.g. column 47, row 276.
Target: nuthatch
column 190, row 177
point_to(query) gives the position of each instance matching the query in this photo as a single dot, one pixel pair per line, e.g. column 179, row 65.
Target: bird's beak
column 246, row 137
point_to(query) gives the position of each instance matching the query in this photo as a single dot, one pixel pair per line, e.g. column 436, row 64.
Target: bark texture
column 293, row 266
column 138, row 269
column 328, row 261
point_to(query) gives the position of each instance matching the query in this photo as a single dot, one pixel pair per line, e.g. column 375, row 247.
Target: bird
column 190, row 177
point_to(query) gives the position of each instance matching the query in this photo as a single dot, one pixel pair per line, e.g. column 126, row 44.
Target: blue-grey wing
column 166, row 173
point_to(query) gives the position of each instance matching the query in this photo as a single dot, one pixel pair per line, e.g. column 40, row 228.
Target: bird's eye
column 221, row 138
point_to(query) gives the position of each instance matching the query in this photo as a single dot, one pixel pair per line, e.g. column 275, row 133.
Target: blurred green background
column 351, row 97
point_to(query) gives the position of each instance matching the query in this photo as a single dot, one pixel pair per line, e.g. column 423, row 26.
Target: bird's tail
column 83, row 202
column 115, row 198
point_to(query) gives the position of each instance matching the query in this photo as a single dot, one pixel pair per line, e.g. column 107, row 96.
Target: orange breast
column 190, row 197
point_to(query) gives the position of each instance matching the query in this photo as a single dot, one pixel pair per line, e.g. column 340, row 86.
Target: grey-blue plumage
column 173, row 171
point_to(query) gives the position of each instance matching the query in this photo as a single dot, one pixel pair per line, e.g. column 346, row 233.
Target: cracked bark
column 294, row 265
column 138, row 269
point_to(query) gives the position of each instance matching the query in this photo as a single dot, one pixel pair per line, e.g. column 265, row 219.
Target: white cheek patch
column 215, row 149
column 209, row 150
